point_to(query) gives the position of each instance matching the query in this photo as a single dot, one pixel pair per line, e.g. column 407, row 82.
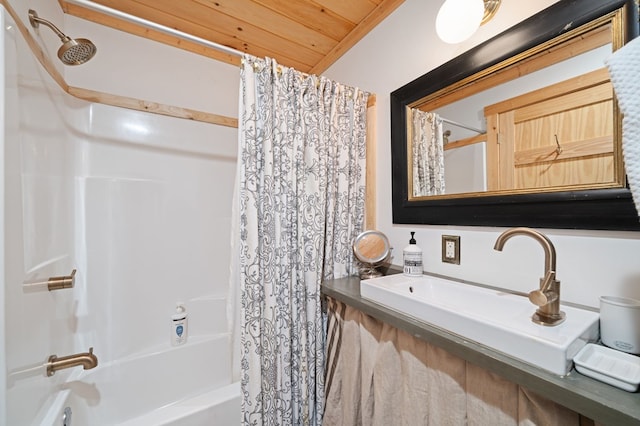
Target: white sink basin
column 496, row 319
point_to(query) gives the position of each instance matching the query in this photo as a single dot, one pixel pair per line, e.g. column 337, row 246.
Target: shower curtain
column 301, row 204
column 428, row 153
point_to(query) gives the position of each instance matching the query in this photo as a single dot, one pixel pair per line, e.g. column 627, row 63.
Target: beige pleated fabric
column 537, row 410
column 447, row 383
column 379, row 375
column 490, row 398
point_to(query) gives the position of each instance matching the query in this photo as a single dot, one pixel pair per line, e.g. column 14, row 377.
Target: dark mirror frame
column 610, row 209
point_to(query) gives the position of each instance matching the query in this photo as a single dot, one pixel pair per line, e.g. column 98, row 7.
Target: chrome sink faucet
column 547, row 297
column 87, row 360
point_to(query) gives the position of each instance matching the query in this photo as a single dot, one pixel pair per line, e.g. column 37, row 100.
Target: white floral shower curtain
column 301, row 204
column 427, row 153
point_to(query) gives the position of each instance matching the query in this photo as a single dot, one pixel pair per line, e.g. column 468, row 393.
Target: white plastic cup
column 620, row 323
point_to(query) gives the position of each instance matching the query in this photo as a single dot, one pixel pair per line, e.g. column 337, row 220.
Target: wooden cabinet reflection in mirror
column 561, row 135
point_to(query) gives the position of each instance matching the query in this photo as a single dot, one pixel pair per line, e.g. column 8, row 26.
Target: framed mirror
column 532, row 114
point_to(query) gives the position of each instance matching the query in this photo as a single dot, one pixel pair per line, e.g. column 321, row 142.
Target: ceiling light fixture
column 458, row 20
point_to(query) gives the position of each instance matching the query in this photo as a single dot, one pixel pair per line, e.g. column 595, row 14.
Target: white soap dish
column 613, row 367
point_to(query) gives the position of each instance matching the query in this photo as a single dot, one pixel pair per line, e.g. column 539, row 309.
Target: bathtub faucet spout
column 86, row 359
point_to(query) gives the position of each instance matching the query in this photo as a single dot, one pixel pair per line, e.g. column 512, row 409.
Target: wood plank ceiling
column 308, row 35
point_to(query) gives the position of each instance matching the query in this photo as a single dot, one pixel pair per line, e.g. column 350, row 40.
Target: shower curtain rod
column 464, row 126
column 152, row 25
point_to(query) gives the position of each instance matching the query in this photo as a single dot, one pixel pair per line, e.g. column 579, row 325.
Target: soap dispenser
column 179, row 325
column 412, row 257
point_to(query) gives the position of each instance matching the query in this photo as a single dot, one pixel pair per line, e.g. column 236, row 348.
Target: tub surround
column 590, row 398
column 88, row 187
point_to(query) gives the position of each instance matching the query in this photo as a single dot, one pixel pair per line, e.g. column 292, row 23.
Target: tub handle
column 65, row 281
column 53, row 283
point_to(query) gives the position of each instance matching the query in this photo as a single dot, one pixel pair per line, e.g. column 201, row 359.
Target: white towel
column 624, row 67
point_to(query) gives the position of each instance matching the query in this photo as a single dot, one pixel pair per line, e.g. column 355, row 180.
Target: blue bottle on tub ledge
column 179, row 324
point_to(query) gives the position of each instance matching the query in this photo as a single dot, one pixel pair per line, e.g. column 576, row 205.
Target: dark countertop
column 598, row 401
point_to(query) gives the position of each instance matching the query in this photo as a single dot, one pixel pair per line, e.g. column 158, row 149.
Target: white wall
column 3, row 136
column 39, row 234
column 465, row 169
column 139, row 203
column 405, row 46
column 155, row 207
column 136, row 67
column 171, row 178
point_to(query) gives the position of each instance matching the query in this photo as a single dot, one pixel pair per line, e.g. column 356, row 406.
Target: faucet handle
column 541, row 298
column 547, row 280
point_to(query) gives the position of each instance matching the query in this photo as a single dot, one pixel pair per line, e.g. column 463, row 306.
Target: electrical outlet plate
column 451, row 249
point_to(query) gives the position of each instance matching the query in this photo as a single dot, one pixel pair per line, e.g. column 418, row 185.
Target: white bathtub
column 189, row 385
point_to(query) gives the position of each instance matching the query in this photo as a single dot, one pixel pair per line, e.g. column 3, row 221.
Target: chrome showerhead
column 73, row 51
